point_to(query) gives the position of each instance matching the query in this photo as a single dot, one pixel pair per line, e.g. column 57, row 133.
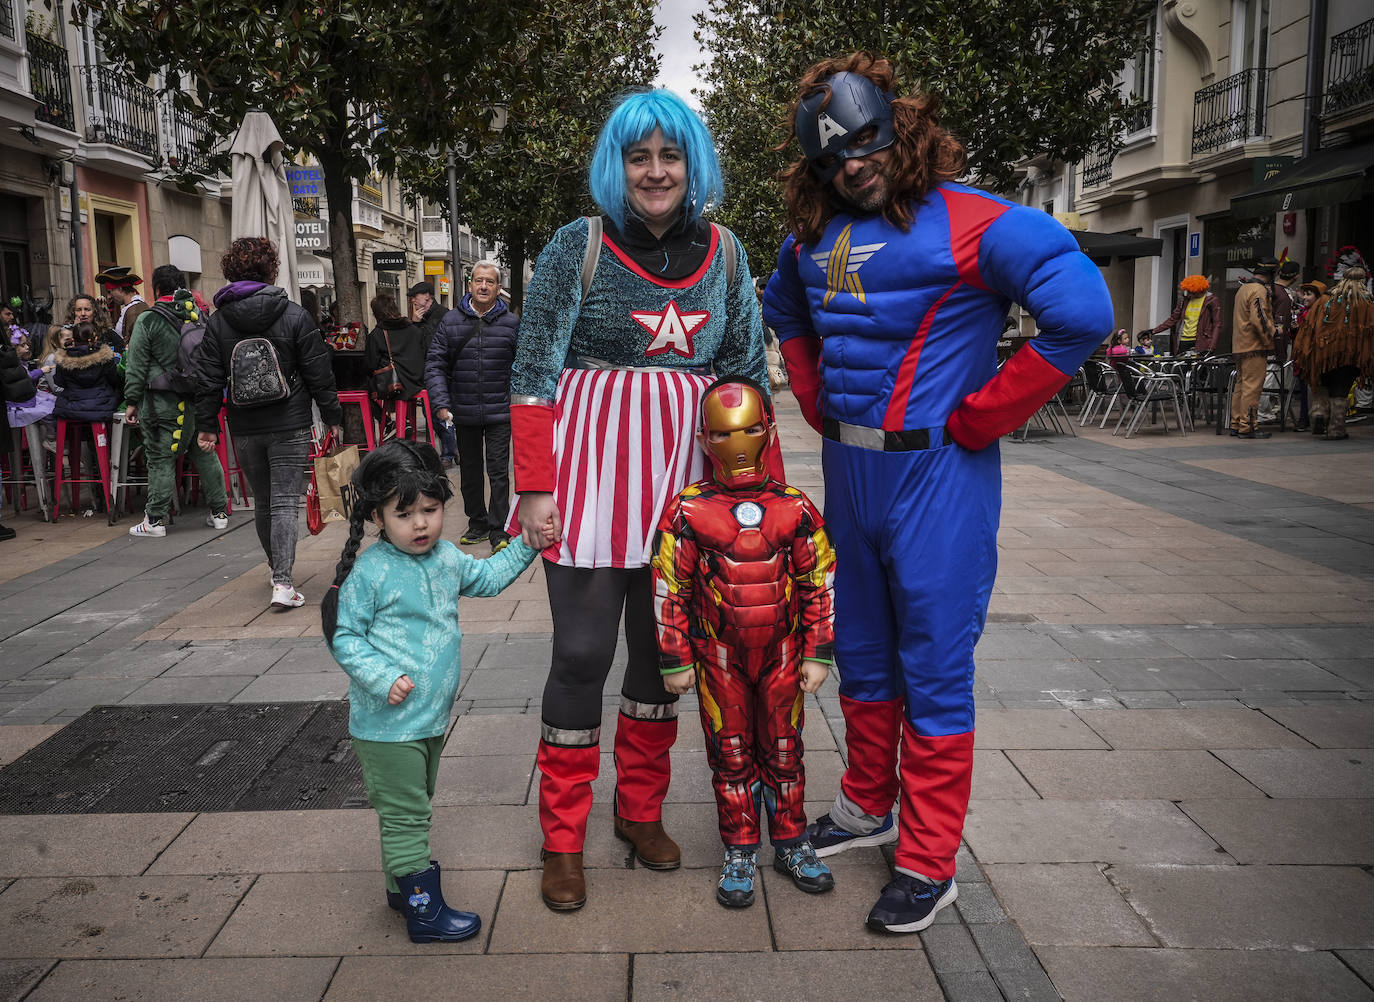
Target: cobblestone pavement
column 1172, row 788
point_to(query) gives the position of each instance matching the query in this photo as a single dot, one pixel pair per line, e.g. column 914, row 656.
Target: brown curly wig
column 922, row 154
column 250, row 259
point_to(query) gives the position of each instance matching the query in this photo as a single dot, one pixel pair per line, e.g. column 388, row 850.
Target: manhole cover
column 190, row 757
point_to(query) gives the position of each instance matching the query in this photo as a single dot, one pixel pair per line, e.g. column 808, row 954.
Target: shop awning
column 1103, row 247
column 1327, row 177
column 314, row 272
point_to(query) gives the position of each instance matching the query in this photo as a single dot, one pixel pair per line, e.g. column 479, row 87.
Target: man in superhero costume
column 743, row 581
column 888, row 301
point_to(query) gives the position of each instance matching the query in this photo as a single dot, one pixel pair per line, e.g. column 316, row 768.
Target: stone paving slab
column 342, row 915
column 811, row 975
column 1329, row 726
column 635, row 911
column 1297, row 773
column 830, row 921
column 1033, row 729
column 1288, row 831
column 115, row 916
column 1130, row 775
column 255, row 980
column 1189, row 729
column 1073, row 831
column 16, row 740
column 484, row 779
column 1238, row 907
column 995, row 778
column 272, row 842
column 1140, row 975
column 1066, row 904
column 589, row 977
column 60, row 845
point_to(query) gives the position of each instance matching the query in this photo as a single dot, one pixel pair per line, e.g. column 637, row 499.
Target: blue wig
column 635, row 118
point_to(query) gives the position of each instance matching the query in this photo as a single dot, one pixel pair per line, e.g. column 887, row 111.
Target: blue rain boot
column 428, row 919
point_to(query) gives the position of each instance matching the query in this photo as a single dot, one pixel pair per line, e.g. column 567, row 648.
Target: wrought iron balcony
column 180, row 135
column 1097, row 168
column 7, row 29
column 122, row 110
column 1350, row 70
column 50, row 79
column 1230, row 111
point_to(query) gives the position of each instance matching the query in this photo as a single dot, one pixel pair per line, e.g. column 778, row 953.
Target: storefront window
column 1230, row 248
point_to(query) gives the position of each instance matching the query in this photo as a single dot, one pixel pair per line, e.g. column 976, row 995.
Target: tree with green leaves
column 357, row 85
column 533, row 179
column 1016, row 78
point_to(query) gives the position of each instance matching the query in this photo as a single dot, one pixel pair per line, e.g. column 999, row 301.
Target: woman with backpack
column 263, row 359
column 158, row 397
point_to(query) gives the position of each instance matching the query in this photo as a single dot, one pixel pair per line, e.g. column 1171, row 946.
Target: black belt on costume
column 913, row 440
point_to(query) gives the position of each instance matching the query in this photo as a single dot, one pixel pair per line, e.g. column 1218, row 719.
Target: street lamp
column 496, row 122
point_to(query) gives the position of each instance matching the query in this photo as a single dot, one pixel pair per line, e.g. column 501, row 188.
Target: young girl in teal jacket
column 391, row 622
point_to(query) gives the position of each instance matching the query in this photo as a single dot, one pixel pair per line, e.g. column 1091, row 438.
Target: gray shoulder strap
column 727, row 244
column 593, row 253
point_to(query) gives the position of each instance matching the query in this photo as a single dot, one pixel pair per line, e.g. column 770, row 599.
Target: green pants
column 169, row 431
column 399, row 776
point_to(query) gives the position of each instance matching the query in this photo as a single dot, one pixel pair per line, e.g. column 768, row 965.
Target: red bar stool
column 100, row 438
column 364, row 401
column 401, row 411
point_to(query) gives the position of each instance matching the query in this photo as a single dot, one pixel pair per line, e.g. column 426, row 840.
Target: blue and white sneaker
column 800, row 863
column 736, row 886
column 909, row 905
column 828, row 838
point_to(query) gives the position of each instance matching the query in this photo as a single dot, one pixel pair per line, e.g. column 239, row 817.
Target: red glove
column 802, row 356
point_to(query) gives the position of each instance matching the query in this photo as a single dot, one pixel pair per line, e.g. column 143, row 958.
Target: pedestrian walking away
column 628, row 314
column 890, row 295
column 391, row 621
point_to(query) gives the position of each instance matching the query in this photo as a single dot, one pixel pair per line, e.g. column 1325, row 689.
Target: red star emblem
column 672, row 329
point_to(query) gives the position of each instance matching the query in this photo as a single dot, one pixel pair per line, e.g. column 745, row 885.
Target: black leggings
column 587, row 605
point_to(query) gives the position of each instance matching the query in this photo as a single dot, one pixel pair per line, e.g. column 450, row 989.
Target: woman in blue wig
column 628, row 317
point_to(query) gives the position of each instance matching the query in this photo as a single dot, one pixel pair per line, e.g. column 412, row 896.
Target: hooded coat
column 408, row 343
column 254, row 309
column 92, row 386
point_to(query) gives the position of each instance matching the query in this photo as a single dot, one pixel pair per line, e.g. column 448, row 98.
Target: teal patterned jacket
column 398, row 615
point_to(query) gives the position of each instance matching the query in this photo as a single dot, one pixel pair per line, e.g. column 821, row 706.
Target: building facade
column 1255, row 140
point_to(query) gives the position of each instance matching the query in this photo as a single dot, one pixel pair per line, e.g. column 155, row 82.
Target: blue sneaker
column 800, row 863
column 828, row 838
column 736, row 886
column 909, row 905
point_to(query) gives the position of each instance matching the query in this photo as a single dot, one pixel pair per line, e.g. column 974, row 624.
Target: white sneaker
column 286, row 597
column 217, row 520
column 148, row 529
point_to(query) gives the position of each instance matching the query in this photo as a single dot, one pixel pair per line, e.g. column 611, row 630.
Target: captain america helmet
column 832, row 117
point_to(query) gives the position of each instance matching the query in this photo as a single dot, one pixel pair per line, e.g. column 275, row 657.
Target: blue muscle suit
column 891, row 342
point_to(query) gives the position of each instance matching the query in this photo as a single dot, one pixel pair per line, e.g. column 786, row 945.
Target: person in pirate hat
column 119, row 283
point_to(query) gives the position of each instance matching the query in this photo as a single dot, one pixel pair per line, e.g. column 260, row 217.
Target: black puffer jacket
column 15, row 385
column 251, row 309
column 92, row 386
column 468, row 369
column 408, row 343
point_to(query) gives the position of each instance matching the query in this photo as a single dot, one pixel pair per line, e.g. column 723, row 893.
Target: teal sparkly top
column 398, row 615
column 557, row 324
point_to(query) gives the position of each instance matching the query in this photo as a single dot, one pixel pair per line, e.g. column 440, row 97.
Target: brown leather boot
column 652, row 845
column 564, row 887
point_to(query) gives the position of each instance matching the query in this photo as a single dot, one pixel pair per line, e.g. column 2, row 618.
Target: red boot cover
column 642, row 768
column 937, row 774
column 872, row 732
column 565, row 794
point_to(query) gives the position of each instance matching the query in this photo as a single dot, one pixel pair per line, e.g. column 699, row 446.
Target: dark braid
column 399, row 468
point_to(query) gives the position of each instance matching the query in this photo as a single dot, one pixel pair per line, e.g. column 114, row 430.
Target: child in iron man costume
column 743, row 592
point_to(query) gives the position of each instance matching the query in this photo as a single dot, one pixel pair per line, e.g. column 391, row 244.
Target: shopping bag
column 333, row 470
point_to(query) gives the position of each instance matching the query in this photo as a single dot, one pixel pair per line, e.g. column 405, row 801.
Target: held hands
column 813, row 674
column 400, row 689
column 541, row 525
column 680, row 682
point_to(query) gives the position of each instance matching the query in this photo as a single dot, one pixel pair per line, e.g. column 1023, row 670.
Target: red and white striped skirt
column 625, row 445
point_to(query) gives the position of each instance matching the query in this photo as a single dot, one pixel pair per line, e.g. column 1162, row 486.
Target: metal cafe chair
column 1143, row 389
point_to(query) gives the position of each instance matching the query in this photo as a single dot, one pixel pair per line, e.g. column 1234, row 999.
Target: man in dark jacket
column 15, row 387
column 425, row 313
column 467, row 373
column 168, row 417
